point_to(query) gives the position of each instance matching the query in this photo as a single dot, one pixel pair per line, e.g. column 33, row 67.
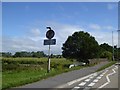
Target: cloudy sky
column 24, row 23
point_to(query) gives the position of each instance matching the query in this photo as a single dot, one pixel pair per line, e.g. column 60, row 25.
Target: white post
column 49, row 59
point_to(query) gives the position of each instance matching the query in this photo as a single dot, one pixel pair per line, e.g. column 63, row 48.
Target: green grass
column 0, row 80
column 14, row 78
column 16, row 73
column 106, row 66
column 17, row 78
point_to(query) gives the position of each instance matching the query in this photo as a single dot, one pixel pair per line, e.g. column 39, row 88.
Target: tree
column 37, row 54
column 22, row 54
column 106, row 54
column 81, row 46
column 6, row 54
column 106, row 47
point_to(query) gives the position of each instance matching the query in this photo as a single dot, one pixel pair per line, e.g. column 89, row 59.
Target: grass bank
column 106, row 66
column 17, row 78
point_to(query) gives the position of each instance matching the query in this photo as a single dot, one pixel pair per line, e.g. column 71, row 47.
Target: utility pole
column 113, row 47
column 118, row 42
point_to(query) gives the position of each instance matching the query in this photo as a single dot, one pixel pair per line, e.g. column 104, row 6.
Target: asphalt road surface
column 62, row 80
column 106, row 79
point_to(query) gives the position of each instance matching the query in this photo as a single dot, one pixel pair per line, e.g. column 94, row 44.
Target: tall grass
column 20, row 71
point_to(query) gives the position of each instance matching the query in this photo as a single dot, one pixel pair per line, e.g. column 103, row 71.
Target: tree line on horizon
column 37, row 54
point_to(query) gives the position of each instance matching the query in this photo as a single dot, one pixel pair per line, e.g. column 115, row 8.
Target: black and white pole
column 50, row 34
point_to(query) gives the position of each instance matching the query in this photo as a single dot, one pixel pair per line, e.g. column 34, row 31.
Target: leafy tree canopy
column 106, row 47
column 81, row 46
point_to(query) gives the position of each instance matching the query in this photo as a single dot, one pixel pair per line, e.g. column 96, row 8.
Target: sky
column 24, row 23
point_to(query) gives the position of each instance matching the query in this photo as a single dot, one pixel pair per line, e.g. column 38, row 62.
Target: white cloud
column 18, row 43
column 62, row 31
column 35, row 32
column 111, row 6
column 94, row 26
column 105, row 37
column 109, row 28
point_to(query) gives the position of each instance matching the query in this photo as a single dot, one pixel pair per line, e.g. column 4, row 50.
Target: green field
column 19, row 71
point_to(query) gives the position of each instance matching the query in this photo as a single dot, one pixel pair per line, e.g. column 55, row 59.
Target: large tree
column 81, row 46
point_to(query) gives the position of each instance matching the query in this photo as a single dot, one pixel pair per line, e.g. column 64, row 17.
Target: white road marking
column 95, row 74
column 87, row 80
column 86, row 88
column 116, row 67
column 91, row 77
column 91, row 84
column 99, row 77
column 105, row 72
column 108, row 80
column 96, row 80
column 77, row 80
column 80, row 79
column 77, row 87
column 82, row 84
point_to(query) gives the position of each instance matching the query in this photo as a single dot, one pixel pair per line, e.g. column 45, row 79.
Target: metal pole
column 49, row 59
column 117, row 52
column 118, row 43
column 113, row 47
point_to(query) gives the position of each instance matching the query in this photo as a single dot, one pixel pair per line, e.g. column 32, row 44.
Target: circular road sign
column 50, row 34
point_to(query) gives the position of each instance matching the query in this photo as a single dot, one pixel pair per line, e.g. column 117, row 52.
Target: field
column 20, row 71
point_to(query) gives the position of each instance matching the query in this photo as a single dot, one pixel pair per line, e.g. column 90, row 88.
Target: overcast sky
column 24, row 23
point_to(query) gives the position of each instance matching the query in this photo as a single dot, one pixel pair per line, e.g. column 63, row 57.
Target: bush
column 9, row 66
column 106, row 54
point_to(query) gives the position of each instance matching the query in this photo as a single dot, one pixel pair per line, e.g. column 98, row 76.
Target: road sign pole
column 49, row 34
column 49, row 59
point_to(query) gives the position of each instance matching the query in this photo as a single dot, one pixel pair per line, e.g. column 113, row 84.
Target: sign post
column 49, row 34
column 49, row 59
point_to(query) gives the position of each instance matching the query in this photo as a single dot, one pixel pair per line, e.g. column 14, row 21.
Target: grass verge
column 18, row 78
column 106, row 66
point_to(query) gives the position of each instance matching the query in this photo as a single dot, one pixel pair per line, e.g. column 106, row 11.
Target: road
column 106, row 79
column 85, row 78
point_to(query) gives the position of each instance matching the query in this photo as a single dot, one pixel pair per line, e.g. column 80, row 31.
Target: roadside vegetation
column 106, row 66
